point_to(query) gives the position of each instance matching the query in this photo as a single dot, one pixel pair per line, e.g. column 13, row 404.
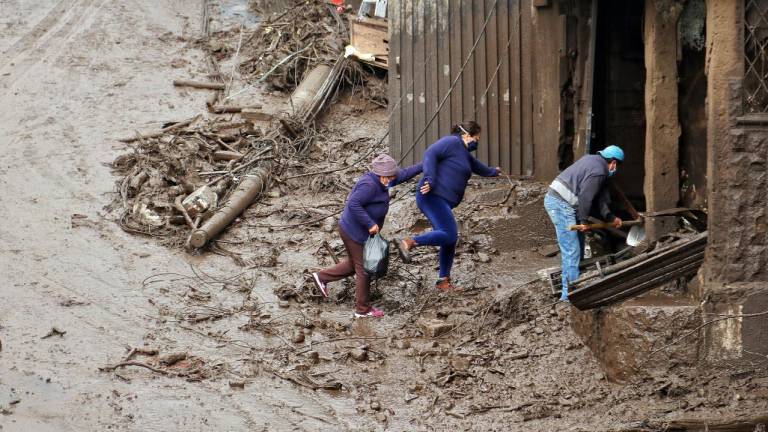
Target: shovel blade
column 636, row 235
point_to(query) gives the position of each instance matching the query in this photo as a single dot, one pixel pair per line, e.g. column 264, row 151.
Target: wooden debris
column 199, row 84
column 54, row 332
column 143, row 351
column 434, row 327
column 161, row 132
column 227, row 155
column 237, row 384
column 173, row 358
column 231, row 109
column 132, row 363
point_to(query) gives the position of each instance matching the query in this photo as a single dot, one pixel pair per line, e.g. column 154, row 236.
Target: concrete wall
column 734, row 274
column 725, row 65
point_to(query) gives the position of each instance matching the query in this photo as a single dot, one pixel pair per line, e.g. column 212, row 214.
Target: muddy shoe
column 404, row 247
column 373, row 313
column 444, row 284
column 320, row 285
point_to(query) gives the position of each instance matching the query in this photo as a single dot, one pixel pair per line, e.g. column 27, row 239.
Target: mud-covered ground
column 255, row 347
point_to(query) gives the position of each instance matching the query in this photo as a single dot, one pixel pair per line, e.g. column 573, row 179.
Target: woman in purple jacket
column 448, row 165
column 363, row 216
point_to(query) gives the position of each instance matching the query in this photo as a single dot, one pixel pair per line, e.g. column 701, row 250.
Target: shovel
column 636, row 233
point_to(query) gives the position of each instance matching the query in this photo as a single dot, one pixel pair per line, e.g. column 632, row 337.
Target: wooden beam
column 662, row 131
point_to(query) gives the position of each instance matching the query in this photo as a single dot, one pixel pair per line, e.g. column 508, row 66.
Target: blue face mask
column 472, row 146
column 611, row 172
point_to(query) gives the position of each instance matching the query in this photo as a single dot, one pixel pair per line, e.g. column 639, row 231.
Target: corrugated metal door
column 470, row 57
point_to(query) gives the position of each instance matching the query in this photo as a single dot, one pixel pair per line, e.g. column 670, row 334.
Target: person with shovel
column 363, row 216
column 448, row 165
column 569, row 202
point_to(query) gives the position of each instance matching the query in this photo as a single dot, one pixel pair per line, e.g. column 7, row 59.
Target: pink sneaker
column 373, row 313
column 320, row 285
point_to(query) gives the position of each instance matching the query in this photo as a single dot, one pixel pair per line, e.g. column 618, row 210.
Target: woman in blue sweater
column 448, row 165
column 363, row 216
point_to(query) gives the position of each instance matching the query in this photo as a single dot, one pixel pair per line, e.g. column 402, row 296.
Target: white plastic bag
column 376, row 256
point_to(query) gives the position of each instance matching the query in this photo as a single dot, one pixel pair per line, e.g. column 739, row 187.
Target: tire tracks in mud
column 33, row 47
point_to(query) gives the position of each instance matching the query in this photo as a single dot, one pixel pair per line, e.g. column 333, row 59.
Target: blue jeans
column 571, row 242
column 444, row 232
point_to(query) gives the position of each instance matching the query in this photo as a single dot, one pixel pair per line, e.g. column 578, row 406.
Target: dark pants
column 353, row 265
column 444, row 232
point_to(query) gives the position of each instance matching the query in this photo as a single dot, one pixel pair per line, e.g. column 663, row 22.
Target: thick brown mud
column 263, row 350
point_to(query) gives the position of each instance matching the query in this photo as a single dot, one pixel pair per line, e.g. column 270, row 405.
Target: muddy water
column 74, row 75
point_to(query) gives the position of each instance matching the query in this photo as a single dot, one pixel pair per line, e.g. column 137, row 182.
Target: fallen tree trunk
column 198, row 84
column 250, row 187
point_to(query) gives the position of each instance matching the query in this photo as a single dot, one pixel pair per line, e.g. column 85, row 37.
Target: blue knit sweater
column 448, row 165
column 368, row 203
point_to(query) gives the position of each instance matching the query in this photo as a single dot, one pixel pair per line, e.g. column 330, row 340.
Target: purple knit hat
column 384, row 166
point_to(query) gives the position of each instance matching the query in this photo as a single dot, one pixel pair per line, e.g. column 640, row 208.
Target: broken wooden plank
column 161, row 132
column 227, row 155
column 369, row 36
column 233, row 109
column 255, row 115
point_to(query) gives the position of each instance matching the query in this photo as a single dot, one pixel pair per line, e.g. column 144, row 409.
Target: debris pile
column 290, row 44
column 187, row 182
column 179, row 177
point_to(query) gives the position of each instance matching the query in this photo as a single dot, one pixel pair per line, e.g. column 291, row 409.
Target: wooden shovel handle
column 604, row 225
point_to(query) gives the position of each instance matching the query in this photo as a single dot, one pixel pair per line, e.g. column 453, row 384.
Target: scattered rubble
column 500, row 352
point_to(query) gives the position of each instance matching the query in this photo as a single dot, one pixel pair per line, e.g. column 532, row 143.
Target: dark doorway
column 619, row 91
column 692, row 93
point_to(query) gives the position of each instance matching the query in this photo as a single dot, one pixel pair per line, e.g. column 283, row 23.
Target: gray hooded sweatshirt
column 581, row 183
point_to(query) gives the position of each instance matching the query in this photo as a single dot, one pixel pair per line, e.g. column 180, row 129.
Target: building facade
column 681, row 85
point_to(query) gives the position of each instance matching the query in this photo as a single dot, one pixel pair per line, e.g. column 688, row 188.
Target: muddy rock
column 434, row 327
column 460, row 363
column 172, row 358
column 298, row 336
column 402, row 344
column 359, row 354
column 313, row 357
column 237, row 384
